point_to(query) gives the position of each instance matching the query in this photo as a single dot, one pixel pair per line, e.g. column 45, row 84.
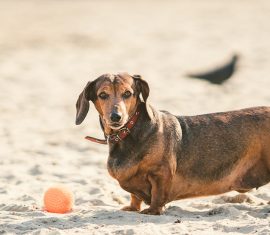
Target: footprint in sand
column 35, row 170
column 224, row 210
column 3, row 191
column 239, row 198
column 14, row 207
column 97, row 202
column 26, row 198
column 94, row 191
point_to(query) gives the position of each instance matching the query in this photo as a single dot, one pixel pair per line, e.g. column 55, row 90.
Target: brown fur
column 169, row 157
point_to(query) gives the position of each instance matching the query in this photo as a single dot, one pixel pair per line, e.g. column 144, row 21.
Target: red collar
column 121, row 134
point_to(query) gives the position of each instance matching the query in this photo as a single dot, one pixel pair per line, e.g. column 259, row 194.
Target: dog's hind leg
column 257, row 176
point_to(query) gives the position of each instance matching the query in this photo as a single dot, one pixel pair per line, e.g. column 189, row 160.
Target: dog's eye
column 103, row 96
column 127, row 94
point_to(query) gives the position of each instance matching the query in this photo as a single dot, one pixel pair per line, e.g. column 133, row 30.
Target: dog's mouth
column 115, row 125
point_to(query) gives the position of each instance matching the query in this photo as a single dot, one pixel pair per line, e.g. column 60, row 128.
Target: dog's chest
column 133, row 181
column 121, row 169
column 130, row 177
column 124, row 160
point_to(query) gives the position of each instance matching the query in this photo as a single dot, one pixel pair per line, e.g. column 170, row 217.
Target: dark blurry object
column 219, row 74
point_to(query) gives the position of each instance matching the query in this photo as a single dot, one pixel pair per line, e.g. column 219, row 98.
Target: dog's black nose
column 115, row 117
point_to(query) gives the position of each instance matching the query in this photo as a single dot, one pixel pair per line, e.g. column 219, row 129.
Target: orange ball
column 58, row 199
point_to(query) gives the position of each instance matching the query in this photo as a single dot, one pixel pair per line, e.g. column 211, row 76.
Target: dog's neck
column 135, row 146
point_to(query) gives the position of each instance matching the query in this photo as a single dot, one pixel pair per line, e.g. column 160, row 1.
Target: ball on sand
column 58, row 199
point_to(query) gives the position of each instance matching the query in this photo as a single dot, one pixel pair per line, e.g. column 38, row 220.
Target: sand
column 48, row 52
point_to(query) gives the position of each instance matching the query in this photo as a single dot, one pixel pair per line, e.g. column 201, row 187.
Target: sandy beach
column 48, row 52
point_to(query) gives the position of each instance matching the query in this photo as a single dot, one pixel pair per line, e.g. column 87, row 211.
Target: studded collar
column 121, row 134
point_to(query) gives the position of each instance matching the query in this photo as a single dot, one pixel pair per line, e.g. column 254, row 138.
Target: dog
column 158, row 157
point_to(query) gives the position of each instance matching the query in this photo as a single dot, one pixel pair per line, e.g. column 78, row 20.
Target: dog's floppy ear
column 143, row 88
column 82, row 104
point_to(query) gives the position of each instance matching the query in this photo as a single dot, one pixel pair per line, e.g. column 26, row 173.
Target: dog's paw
column 152, row 211
column 129, row 208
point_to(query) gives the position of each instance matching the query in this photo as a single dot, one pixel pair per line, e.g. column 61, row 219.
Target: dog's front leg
column 161, row 184
column 135, row 204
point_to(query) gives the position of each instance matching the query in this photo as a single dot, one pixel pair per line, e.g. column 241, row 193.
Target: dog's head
column 115, row 97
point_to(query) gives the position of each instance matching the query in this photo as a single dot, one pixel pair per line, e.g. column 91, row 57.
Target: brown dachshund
column 159, row 157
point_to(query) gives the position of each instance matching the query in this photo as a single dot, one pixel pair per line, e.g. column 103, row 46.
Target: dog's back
column 214, row 145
